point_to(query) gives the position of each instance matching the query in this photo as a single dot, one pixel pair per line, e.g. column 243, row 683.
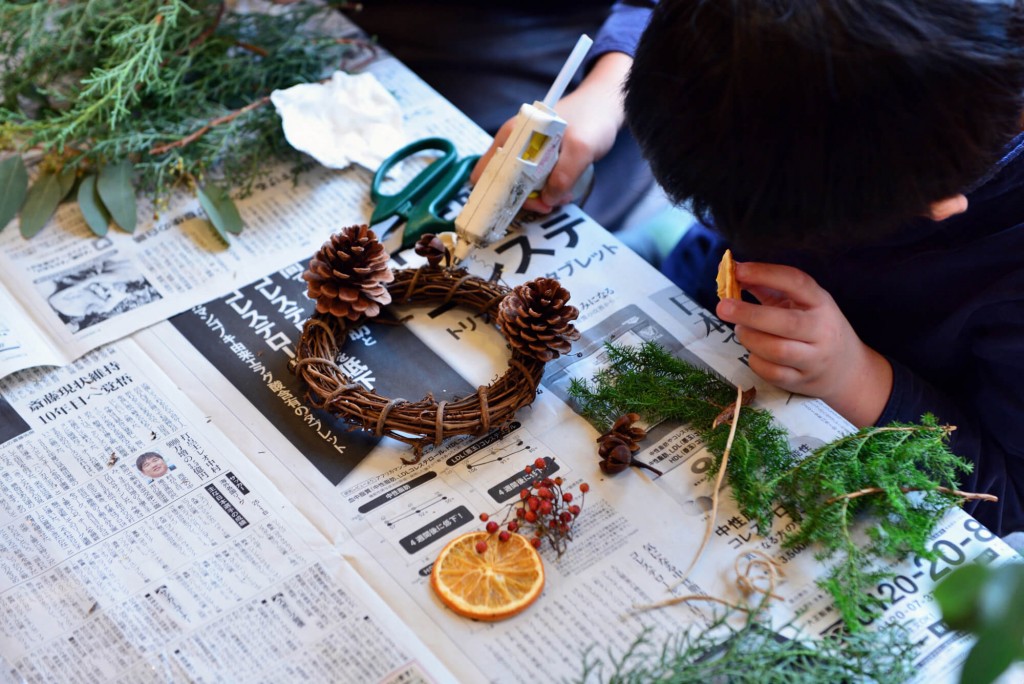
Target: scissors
column 422, row 201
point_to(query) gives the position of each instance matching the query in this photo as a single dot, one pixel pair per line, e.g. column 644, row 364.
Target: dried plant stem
column 718, row 485
column 676, row 600
column 744, row 580
column 231, row 116
column 868, row 491
column 195, row 135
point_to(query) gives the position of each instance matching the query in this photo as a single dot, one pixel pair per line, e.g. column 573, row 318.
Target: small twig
column 262, row 52
column 231, row 116
column 867, row 491
column 195, row 135
column 684, row 599
column 718, row 485
column 208, row 31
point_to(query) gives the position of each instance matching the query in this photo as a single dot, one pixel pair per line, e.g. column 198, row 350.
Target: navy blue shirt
column 944, row 302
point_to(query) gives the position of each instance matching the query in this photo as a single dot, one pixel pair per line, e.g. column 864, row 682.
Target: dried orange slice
column 728, row 287
column 498, row 583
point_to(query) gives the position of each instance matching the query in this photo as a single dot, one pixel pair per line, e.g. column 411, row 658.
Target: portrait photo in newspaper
column 153, row 465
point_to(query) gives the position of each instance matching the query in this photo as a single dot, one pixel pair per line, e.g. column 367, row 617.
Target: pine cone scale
column 347, row 276
column 536, row 320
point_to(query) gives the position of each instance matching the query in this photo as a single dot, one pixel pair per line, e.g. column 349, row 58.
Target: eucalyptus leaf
column 13, row 187
column 40, row 203
column 993, row 653
column 118, row 194
column 958, row 595
column 221, row 210
column 93, row 210
column 67, row 179
column 987, row 602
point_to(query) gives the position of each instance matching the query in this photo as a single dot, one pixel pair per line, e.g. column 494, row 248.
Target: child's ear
column 951, row 206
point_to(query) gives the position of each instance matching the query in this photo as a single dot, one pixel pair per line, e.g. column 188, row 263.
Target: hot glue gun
column 519, row 167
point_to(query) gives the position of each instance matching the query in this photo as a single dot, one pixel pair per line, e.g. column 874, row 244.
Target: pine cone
column 617, row 446
column 537, row 321
column 348, row 277
column 432, row 247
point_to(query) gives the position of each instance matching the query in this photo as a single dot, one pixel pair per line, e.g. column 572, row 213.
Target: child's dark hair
column 823, row 122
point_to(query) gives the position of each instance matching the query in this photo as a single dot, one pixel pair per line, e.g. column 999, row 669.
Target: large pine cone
column 537, row 321
column 348, row 276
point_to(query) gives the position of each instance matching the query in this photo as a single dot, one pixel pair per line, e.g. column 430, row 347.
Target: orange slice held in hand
column 481, row 577
column 728, row 286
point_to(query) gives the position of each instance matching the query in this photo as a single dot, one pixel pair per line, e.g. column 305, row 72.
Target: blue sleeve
column 987, row 410
column 621, row 30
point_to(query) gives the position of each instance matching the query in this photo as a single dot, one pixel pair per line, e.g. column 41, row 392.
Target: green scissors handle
column 423, row 200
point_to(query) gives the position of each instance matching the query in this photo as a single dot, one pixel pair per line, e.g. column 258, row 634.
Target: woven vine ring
column 350, row 281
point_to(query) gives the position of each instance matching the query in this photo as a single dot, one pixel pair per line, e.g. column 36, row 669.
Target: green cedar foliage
column 94, row 85
column 894, row 478
column 754, row 654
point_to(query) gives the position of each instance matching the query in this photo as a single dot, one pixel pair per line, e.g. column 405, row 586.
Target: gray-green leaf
column 13, row 187
column 67, row 182
column 221, row 210
column 117, row 193
column 93, row 211
column 40, row 203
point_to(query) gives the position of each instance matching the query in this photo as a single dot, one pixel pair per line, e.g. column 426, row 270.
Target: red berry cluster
column 544, row 510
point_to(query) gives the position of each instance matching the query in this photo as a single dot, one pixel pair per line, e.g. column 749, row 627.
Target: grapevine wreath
column 350, row 280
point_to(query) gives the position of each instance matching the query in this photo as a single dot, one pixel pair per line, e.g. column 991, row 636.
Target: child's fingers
column 793, row 324
column 774, row 349
column 780, row 375
column 788, row 282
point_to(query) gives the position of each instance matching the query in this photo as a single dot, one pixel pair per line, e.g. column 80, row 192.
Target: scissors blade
column 391, row 233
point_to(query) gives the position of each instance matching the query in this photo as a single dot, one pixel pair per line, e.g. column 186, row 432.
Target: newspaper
column 137, row 544
column 66, row 291
column 637, row 534
column 107, row 573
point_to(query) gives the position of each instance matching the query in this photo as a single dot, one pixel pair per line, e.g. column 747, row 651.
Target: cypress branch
column 754, row 654
column 91, row 83
column 900, row 478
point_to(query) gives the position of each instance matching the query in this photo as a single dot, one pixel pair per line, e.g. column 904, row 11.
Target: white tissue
column 351, row 118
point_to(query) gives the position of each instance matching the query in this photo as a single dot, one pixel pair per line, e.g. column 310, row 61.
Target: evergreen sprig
column 650, row 381
column 755, row 654
column 900, row 479
column 92, row 84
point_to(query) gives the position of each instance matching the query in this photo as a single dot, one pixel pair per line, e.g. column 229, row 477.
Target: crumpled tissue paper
column 350, row 118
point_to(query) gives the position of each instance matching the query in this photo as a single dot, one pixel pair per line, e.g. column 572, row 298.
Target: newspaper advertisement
column 138, row 544
column 637, row 534
column 67, row 291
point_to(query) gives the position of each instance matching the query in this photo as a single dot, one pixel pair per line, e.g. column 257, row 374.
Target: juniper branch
column 755, row 654
column 899, row 478
column 91, row 82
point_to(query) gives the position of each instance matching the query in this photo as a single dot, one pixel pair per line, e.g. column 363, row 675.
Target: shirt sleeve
column 987, row 409
column 622, row 29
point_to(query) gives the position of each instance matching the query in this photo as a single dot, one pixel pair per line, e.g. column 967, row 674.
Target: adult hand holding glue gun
column 535, row 152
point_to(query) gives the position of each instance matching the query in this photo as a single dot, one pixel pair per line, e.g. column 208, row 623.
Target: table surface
column 268, row 503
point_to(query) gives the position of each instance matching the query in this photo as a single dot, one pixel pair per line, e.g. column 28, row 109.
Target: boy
column 860, row 157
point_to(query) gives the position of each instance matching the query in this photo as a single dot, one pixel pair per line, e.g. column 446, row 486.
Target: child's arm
column 799, row 340
column 594, row 114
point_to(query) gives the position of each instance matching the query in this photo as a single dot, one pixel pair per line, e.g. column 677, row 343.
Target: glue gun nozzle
column 462, row 249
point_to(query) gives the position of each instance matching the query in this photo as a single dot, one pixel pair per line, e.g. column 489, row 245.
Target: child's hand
column 593, row 112
column 800, row 341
